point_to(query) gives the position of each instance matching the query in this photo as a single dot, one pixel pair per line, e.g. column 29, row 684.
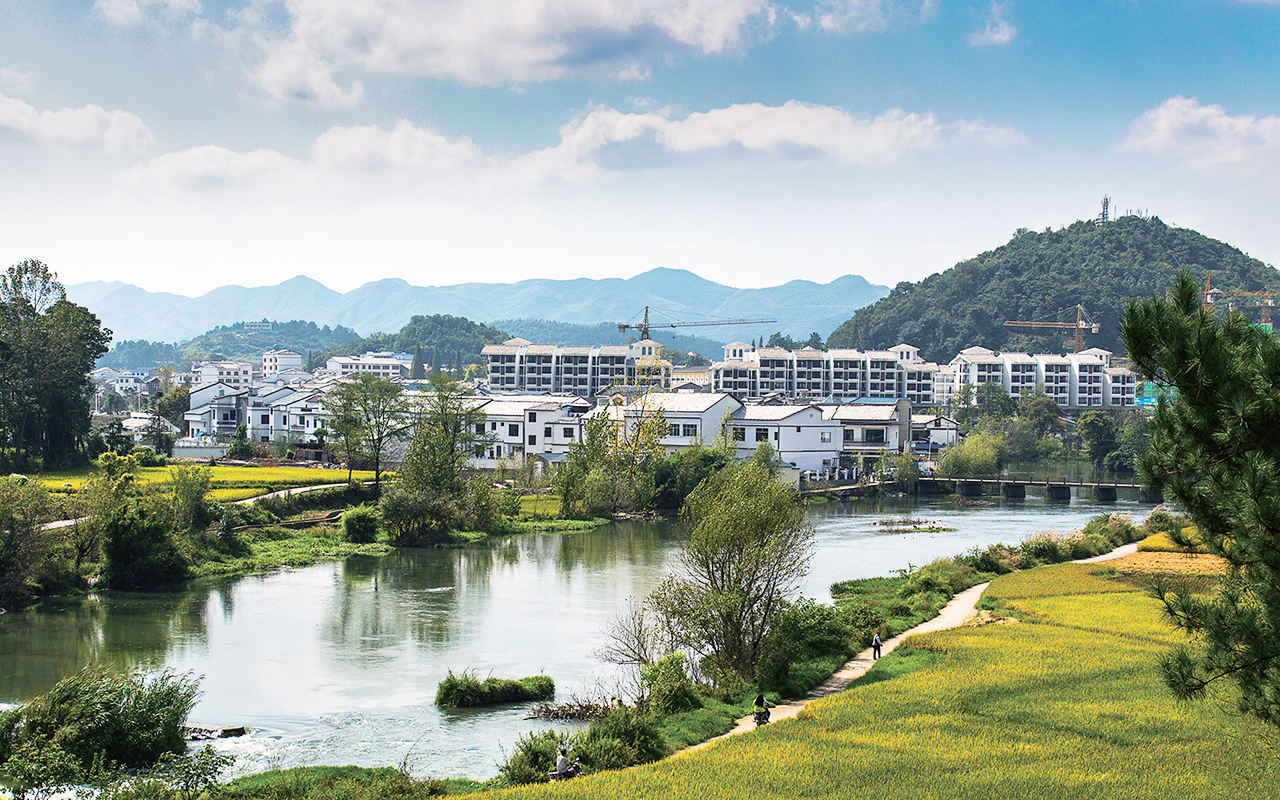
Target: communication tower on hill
column 1105, row 216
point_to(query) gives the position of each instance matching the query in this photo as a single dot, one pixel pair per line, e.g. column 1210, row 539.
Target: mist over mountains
column 800, row 306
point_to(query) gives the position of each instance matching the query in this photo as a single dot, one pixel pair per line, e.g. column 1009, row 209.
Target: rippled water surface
column 338, row 663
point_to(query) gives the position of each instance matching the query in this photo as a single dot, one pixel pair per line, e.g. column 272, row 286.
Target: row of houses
column 1076, row 381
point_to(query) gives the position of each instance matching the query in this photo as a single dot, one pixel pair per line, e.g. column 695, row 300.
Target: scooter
column 574, row 770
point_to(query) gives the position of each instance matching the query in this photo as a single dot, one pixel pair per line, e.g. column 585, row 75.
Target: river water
column 338, row 663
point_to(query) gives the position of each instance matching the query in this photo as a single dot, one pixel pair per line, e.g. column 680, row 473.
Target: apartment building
column 236, row 374
column 519, row 366
column 274, row 361
column 379, row 365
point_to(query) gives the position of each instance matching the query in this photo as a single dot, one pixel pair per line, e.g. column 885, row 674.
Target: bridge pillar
column 1056, row 491
column 969, row 488
column 1147, row 496
column 1014, row 491
column 1104, row 494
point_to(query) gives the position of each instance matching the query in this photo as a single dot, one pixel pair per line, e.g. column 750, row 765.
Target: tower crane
column 644, row 325
column 1263, row 300
column 1083, row 323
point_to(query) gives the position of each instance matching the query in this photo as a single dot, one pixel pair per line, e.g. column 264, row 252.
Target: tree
column 994, row 401
column 370, row 414
column 25, row 506
column 1098, row 434
column 173, row 404
column 48, row 346
column 976, row 455
column 1042, row 413
column 416, row 370
column 749, row 547
column 1215, row 450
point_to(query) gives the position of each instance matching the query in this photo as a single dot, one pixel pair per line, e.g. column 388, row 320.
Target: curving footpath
column 960, row 610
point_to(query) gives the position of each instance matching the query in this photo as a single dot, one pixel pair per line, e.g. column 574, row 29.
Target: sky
column 182, row 145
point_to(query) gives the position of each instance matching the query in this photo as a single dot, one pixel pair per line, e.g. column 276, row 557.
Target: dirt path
column 954, row 614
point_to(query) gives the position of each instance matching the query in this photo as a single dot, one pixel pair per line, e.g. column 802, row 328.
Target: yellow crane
column 1083, row 323
column 644, row 325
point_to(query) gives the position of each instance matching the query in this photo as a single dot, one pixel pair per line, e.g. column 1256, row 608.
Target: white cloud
column 998, row 31
column 127, row 13
column 369, row 148
column 90, row 127
column 865, row 16
column 1206, row 137
column 793, row 131
column 482, row 41
column 16, row 80
column 210, row 166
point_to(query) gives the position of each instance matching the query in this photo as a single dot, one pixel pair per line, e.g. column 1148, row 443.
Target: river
column 338, row 663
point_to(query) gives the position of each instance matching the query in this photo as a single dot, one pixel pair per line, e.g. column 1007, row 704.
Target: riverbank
column 1060, row 698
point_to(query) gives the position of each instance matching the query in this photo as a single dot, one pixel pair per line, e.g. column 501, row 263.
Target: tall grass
column 129, row 718
column 465, row 690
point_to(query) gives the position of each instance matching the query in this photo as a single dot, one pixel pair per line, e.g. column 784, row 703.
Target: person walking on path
column 875, row 646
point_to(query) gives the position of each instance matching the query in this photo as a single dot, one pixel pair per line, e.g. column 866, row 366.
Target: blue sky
column 186, row 144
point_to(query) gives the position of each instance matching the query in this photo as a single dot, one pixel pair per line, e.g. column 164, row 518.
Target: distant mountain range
column 386, row 305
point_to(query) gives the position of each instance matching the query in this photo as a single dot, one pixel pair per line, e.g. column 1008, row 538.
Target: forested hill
column 227, row 342
column 444, row 340
column 1041, row 277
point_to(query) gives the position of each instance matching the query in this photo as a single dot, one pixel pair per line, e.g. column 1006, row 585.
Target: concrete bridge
column 1011, row 486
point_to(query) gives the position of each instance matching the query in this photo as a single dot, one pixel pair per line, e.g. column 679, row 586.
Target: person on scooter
column 760, row 709
column 564, row 768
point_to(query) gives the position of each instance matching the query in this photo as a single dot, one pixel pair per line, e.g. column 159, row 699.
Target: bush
column 140, row 549
column 147, row 457
column 465, row 690
column 130, row 719
column 996, row 559
column 534, row 756
column 622, row 738
column 189, row 484
column 945, row 576
column 360, row 524
column 667, row 685
column 1043, row 548
column 803, row 632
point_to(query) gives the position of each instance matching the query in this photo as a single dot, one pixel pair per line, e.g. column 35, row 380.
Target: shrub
column 189, row 485
column 534, row 756
column 147, row 457
column 804, row 631
column 140, row 549
column 622, row 738
column 945, row 576
column 667, row 685
column 1043, row 548
column 465, row 690
column 130, row 718
column 996, row 559
column 360, row 524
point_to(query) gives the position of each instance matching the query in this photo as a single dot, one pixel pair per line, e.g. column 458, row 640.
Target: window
column 690, row 430
column 493, row 426
column 762, row 434
column 739, row 434
column 850, row 435
column 266, row 419
column 568, row 433
column 673, row 429
column 513, row 429
column 797, row 429
column 546, row 432
column 874, row 435
column 533, row 439
column 479, row 428
column 824, row 436
column 533, row 417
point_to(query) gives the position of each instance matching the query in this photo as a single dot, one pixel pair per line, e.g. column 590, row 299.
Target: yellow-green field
column 223, row 477
column 1068, row 705
column 1161, row 543
column 539, row 505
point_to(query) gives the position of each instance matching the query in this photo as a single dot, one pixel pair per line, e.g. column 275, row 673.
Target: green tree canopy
column 1215, row 450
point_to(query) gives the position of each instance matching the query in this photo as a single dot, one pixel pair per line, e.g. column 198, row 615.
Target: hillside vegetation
column 441, row 336
column 229, row 343
column 1041, row 277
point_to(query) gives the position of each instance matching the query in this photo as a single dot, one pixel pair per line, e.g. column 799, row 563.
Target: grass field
column 1067, row 705
column 261, row 479
column 539, row 505
column 273, row 548
column 1161, row 543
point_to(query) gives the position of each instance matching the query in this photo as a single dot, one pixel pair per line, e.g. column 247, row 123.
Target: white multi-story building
column 518, row 365
column 274, row 361
column 236, row 374
column 380, row 366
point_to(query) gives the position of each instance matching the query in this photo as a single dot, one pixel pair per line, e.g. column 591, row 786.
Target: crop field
column 223, row 477
column 539, row 505
column 1068, row 705
column 1148, row 564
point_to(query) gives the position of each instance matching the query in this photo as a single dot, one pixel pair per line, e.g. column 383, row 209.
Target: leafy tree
column 749, row 547
column 1042, row 413
column 173, row 404
column 25, row 506
column 240, row 446
column 1215, row 450
column 1097, row 432
column 416, row 371
column 993, row 401
column 976, row 455
column 47, row 348
column 369, row 414
column 140, row 547
column 680, row 473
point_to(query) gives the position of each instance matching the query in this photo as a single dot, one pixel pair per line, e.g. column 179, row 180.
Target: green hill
column 1041, row 277
column 227, row 342
column 442, row 336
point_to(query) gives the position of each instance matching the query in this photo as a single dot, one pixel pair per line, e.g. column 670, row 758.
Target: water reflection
column 338, row 663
